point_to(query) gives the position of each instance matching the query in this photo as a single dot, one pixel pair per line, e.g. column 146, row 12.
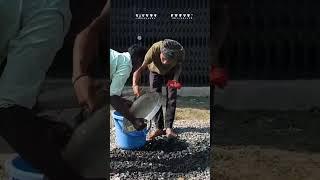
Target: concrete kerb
column 57, row 93
column 270, row 95
column 184, row 92
column 238, row 95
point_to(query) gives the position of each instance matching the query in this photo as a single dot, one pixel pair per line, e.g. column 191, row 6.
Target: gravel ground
column 184, row 158
column 264, row 145
column 263, row 163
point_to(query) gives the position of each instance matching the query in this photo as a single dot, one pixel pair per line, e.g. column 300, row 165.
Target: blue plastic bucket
column 128, row 140
column 18, row 169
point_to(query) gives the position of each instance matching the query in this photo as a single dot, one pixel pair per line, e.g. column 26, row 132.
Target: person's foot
column 156, row 133
column 139, row 124
column 170, row 133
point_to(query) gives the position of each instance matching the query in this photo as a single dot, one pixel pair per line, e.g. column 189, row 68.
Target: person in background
column 164, row 60
column 220, row 23
column 218, row 74
column 31, row 33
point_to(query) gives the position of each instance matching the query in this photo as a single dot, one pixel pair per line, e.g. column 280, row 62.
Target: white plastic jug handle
column 148, row 129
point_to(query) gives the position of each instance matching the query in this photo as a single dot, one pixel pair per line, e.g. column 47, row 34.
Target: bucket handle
column 119, row 125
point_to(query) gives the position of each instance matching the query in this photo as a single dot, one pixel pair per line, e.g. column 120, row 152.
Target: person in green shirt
column 164, row 60
column 31, row 33
column 121, row 65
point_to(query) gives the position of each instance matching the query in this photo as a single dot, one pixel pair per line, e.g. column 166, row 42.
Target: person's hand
column 136, row 90
column 174, row 84
column 139, row 124
column 85, row 90
column 218, row 77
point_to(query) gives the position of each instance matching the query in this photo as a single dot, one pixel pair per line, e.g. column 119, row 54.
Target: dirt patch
column 253, row 162
column 287, row 130
column 193, row 109
column 192, row 114
column 266, row 145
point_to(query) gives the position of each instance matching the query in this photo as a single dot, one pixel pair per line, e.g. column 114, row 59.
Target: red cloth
column 174, row 84
column 218, row 77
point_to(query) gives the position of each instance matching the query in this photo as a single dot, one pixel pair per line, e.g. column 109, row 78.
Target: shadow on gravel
column 286, row 130
column 193, row 130
column 162, row 155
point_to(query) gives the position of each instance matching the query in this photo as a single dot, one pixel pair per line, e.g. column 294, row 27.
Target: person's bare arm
column 85, row 50
column 106, row 10
column 147, row 60
column 137, row 74
column 136, row 79
column 120, row 105
column 86, row 43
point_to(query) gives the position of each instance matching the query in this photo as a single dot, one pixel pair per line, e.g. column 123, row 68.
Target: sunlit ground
column 256, row 145
column 254, row 162
column 265, row 145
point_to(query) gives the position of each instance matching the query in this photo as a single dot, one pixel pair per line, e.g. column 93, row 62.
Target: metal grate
column 192, row 34
column 273, row 40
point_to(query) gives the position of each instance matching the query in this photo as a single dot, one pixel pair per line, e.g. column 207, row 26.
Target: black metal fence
column 269, row 39
column 127, row 24
column 273, row 40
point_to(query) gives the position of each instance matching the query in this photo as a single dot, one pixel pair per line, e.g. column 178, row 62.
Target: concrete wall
column 185, row 91
column 270, row 95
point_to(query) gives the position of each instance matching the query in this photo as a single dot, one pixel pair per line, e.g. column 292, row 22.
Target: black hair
column 137, row 53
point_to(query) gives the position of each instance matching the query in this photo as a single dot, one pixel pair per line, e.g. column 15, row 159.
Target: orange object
column 218, row 77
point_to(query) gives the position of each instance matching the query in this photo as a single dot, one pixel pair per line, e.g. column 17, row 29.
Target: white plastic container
column 17, row 169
